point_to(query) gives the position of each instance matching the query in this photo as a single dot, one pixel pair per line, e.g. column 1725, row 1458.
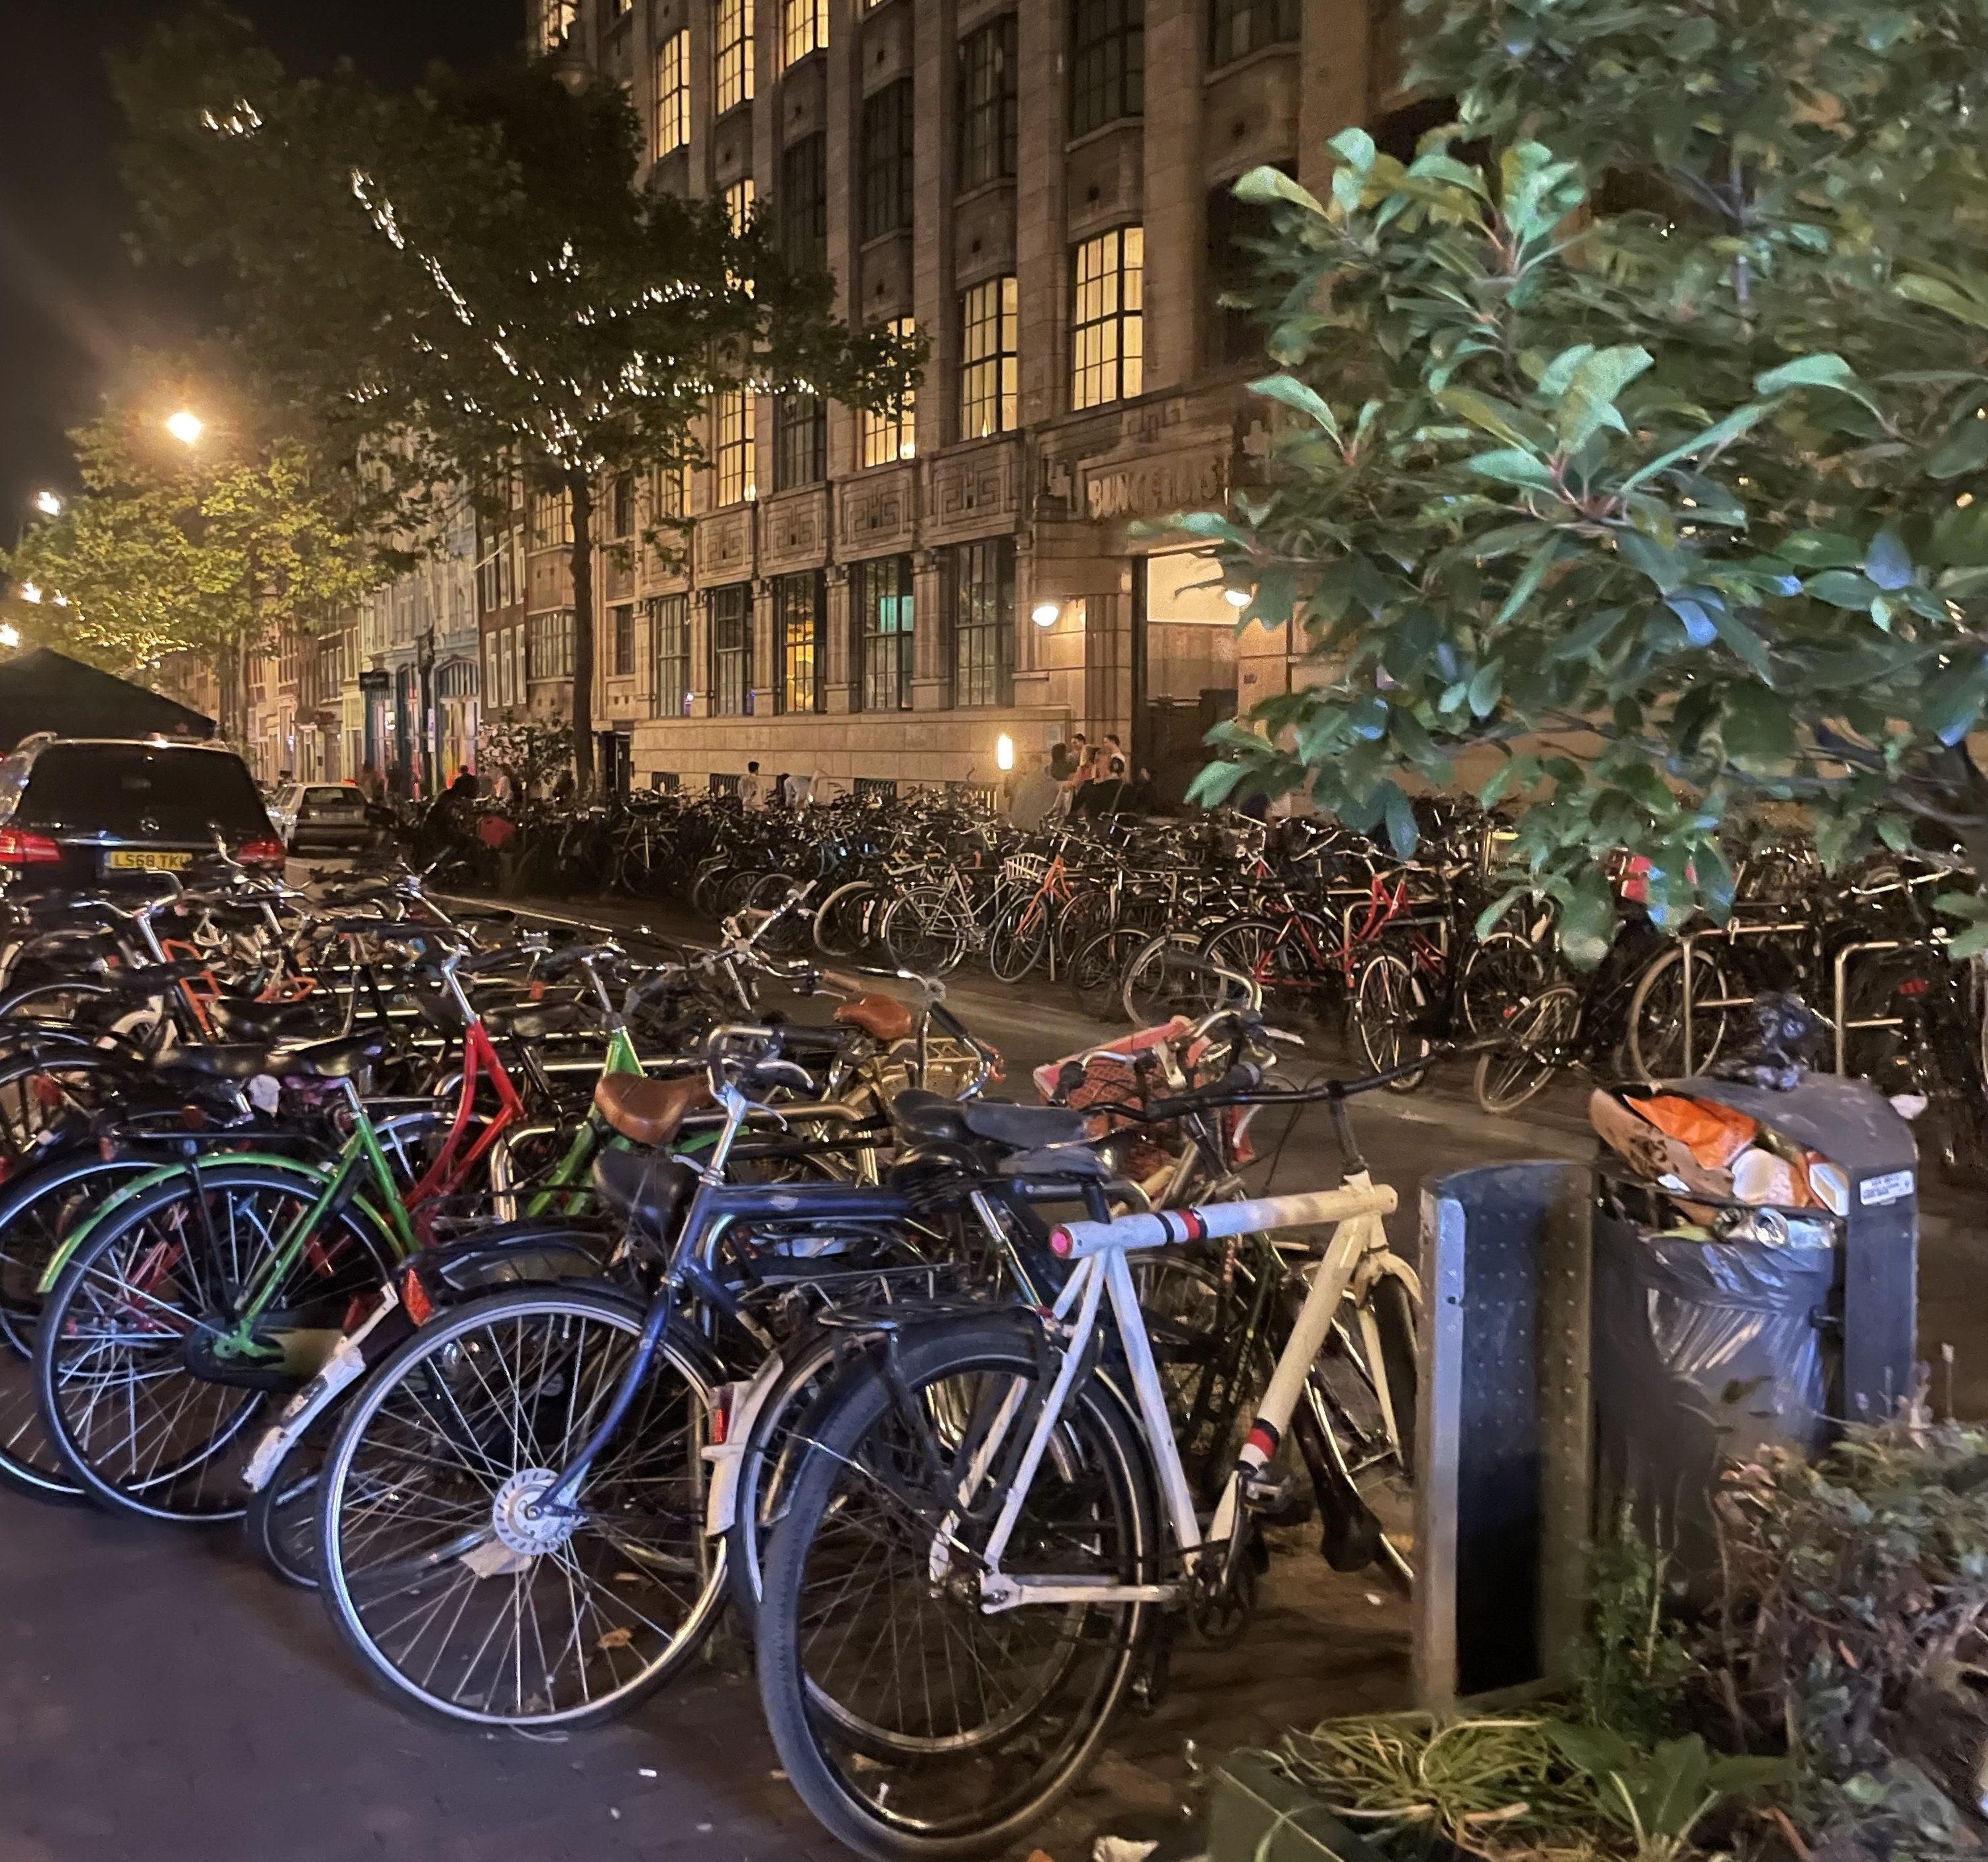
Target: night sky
column 71, row 304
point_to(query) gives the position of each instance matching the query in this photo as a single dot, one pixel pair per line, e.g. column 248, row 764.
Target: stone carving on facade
column 974, row 494
column 724, row 547
column 879, row 512
column 1188, row 479
column 792, row 533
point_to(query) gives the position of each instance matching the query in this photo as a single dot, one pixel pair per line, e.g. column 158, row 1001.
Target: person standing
column 1035, row 795
column 753, row 788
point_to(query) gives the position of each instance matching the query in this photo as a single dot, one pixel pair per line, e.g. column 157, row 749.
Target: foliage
column 1632, row 1664
column 1632, row 448
column 1856, row 1622
column 1490, row 1785
column 1660, row 1794
column 465, row 279
column 168, row 550
column 528, row 752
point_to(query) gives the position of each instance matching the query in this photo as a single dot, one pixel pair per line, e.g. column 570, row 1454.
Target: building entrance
column 1186, row 654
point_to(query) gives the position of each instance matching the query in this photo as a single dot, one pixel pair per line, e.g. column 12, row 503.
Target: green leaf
column 1589, row 403
column 1888, row 564
column 1965, row 450
column 1741, row 420
column 1528, row 583
column 1510, row 466
column 1756, row 726
column 1403, row 835
column 1821, row 549
column 1823, row 371
column 1841, row 589
column 1262, row 186
column 1939, row 296
column 1294, row 394
column 1743, row 641
column 1495, row 417
column 1486, row 685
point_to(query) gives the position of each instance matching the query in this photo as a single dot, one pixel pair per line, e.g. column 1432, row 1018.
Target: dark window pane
column 1107, row 62
column 987, row 103
column 983, row 622
column 884, row 624
column 669, row 637
column 887, row 157
column 800, row 441
column 803, row 201
column 731, row 650
column 1237, row 27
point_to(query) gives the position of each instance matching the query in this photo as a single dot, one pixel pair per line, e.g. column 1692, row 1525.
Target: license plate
column 145, row 860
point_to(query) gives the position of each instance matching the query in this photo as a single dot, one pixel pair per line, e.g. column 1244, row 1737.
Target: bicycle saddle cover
column 338, row 1059
column 647, row 1111
column 882, row 1018
column 231, row 1060
column 259, row 1021
column 534, row 1021
column 651, row 1190
column 1023, row 1127
column 920, row 1114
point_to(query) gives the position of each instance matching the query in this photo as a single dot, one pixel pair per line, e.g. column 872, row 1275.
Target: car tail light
column 263, row 853
column 19, row 848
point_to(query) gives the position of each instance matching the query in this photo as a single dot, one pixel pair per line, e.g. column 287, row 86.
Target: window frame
column 673, row 94
column 669, row 652
column 982, row 591
column 549, row 647
column 732, row 26
column 802, row 201
column 800, row 441
column 734, row 466
column 800, row 612
column 730, row 614
column 804, row 30
column 1117, row 368
column 989, row 104
column 888, row 437
column 882, row 681
column 990, row 377
column 886, row 165
column 621, row 640
column 1107, row 63
column 1263, row 23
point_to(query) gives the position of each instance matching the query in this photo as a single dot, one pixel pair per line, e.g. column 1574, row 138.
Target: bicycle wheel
column 1019, row 940
column 1097, row 973
column 1356, row 1428
column 912, row 1722
column 925, row 930
column 281, row 1522
column 1500, row 973
column 37, row 1212
column 1539, row 1037
column 140, row 1423
column 456, row 1596
column 1169, row 976
column 845, row 922
column 1289, row 963
column 1390, row 1012
column 1657, row 1019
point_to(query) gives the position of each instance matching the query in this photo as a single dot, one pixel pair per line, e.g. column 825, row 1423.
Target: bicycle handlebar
column 1073, row 1241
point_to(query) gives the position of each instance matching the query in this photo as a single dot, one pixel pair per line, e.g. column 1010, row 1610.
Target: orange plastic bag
column 1714, row 1134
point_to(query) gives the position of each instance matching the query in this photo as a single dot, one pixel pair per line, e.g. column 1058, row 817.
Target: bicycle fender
column 741, row 1404
column 351, row 1358
column 150, row 1180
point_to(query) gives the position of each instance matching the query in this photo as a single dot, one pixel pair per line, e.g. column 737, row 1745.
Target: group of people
column 1081, row 779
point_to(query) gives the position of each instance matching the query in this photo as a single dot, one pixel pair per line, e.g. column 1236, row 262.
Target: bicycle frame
column 1102, row 1271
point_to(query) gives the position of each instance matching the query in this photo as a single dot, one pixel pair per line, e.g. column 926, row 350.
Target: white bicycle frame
column 1099, row 1249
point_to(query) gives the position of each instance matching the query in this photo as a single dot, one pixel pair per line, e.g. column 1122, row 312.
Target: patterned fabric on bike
column 652, row 1190
column 647, row 1111
column 882, row 1018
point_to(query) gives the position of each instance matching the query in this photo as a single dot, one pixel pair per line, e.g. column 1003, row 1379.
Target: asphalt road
column 162, row 1701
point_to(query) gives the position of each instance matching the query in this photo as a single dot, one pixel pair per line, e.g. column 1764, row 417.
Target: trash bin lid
column 1849, row 1121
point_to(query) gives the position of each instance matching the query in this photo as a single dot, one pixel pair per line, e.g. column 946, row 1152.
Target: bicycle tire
column 925, row 930
column 842, row 923
column 1524, row 1064
column 869, row 1780
column 280, row 1523
column 1656, row 1041
column 427, row 1381
column 1019, row 940
column 1386, row 1001
column 187, row 1479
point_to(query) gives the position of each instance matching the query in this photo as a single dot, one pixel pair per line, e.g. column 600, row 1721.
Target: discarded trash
column 645, row 1771
column 1117, row 1849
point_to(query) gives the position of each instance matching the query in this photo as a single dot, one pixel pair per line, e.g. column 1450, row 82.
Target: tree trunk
column 581, row 488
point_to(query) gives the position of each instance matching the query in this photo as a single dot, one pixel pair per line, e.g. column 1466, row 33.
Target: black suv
column 81, row 813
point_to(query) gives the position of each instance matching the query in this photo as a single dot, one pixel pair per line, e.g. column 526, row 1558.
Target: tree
column 466, row 277
column 1632, row 440
column 169, row 549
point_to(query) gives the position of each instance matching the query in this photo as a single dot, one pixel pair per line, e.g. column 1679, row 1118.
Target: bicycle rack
column 1731, row 934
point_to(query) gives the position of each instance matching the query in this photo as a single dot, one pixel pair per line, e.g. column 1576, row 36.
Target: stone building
column 1041, row 188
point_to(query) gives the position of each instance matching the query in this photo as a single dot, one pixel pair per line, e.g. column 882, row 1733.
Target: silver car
column 322, row 817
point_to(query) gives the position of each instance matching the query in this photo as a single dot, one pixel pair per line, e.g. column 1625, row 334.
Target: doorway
column 1185, row 656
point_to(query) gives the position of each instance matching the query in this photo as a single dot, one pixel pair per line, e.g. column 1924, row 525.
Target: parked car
column 89, row 813
column 322, row 817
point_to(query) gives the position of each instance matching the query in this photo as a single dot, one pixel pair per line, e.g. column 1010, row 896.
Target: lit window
column 552, row 519
column 884, row 620
column 988, row 321
column 803, row 28
column 548, row 646
column 672, row 492
column 1107, row 62
column 889, row 434
column 797, row 623
column 739, row 203
column 1107, row 335
column 673, row 94
column 735, row 54
column 732, row 418
column 556, row 20
column 987, row 103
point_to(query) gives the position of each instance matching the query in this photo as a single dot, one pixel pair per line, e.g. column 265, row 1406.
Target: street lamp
column 186, row 426
column 49, row 503
column 1004, row 751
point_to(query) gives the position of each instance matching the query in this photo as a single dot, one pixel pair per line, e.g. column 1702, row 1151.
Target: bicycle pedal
column 1268, row 1493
